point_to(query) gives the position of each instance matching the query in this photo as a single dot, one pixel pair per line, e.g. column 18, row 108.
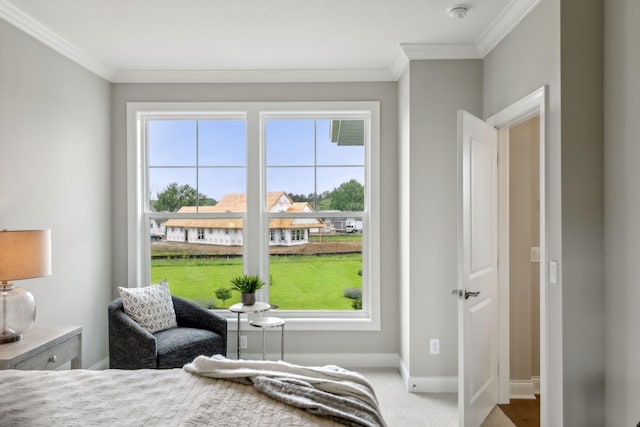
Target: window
column 270, row 183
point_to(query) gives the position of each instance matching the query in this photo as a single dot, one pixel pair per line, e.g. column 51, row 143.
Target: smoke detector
column 459, row 11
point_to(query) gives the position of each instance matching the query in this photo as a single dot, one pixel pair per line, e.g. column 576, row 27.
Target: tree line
column 348, row 196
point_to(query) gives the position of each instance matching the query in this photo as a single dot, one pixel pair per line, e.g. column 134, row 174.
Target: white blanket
column 328, row 391
column 142, row 398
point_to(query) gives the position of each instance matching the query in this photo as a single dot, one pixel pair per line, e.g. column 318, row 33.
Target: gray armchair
column 199, row 331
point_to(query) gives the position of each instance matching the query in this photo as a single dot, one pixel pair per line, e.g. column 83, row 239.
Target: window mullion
column 252, row 226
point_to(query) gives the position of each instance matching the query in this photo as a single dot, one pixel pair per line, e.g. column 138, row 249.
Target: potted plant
column 247, row 285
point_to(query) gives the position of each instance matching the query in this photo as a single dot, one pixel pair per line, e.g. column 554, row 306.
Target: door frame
column 534, row 104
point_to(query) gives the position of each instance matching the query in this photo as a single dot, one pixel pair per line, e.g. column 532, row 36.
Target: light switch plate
column 434, row 346
column 553, row 272
column 535, row 254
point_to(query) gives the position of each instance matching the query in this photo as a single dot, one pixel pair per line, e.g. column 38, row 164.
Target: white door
column 477, row 269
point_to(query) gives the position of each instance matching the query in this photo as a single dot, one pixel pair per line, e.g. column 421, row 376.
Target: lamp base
column 8, row 336
column 17, row 312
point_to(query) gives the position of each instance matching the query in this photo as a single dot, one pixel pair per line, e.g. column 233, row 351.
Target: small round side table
column 240, row 308
column 270, row 322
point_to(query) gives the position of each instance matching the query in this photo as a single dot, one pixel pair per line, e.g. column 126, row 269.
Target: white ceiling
column 261, row 40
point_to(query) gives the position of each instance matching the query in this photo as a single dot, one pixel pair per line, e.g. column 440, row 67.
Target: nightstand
column 44, row 348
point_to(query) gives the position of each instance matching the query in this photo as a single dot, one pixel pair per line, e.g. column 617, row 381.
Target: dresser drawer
column 52, row 357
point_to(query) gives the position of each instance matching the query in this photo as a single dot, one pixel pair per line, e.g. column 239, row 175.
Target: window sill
column 310, row 321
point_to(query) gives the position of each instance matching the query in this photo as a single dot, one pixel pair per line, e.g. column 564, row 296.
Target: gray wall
column 563, row 51
column 436, row 91
column 622, row 207
column 385, row 341
column 55, row 147
column 582, row 212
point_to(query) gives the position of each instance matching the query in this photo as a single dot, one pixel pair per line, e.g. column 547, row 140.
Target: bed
column 220, row 395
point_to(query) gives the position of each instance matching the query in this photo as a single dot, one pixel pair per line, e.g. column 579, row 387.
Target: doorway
column 523, row 308
column 522, row 167
column 480, row 370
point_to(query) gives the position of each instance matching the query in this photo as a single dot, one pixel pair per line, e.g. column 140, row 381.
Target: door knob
column 466, row 293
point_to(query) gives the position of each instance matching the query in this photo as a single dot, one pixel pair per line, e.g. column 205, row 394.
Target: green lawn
column 301, row 282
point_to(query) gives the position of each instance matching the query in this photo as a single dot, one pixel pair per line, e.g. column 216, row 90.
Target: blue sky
column 293, row 165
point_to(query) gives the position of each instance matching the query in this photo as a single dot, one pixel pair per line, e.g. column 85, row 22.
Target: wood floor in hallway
column 523, row 412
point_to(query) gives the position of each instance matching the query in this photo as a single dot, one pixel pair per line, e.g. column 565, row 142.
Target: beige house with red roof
column 228, row 232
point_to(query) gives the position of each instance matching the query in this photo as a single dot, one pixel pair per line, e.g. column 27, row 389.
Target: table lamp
column 24, row 254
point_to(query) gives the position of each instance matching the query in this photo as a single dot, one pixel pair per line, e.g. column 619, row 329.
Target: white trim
column 313, row 321
column 420, row 51
column 503, row 265
column 520, row 111
column 536, row 384
column 531, row 105
column 443, row 384
column 522, row 389
column 253, row 76
column 399, row 63
column 367, row 319
column 35, row 29
column 100, row 365
column 508, row 19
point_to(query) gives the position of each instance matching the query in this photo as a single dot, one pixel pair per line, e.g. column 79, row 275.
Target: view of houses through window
column 313, row 180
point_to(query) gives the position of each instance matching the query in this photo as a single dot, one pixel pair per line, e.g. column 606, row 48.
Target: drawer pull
column 53, row 358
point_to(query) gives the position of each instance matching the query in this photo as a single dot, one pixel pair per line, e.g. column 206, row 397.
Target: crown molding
column 508, row 19
column 426, row 51
column 35, row 29
column 252, row 76
column 421, row 51
column 504, row 23
column 399, row 63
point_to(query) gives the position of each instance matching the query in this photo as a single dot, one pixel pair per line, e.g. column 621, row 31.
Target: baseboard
column 536, row 384
column 344, row 360
column 101, row 365
column 522, row 389
column 439, row 384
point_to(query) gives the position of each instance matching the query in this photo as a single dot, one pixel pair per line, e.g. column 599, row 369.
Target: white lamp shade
column 25, row 254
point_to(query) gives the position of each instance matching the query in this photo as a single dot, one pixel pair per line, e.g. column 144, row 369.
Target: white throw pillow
column 150, row 306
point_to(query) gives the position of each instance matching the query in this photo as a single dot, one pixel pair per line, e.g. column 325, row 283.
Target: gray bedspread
column 170, row 397
column 327, row 391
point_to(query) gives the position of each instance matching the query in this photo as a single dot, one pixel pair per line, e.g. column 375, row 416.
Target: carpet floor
column 403, row 409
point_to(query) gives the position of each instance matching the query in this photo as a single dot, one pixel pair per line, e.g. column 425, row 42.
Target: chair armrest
column 191, row 315
column 130, row 345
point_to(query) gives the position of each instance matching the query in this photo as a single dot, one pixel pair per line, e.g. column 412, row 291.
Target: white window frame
column 256, row 219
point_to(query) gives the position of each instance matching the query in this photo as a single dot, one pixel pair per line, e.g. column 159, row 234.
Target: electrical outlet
column 243, row 341
column 434, row 346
